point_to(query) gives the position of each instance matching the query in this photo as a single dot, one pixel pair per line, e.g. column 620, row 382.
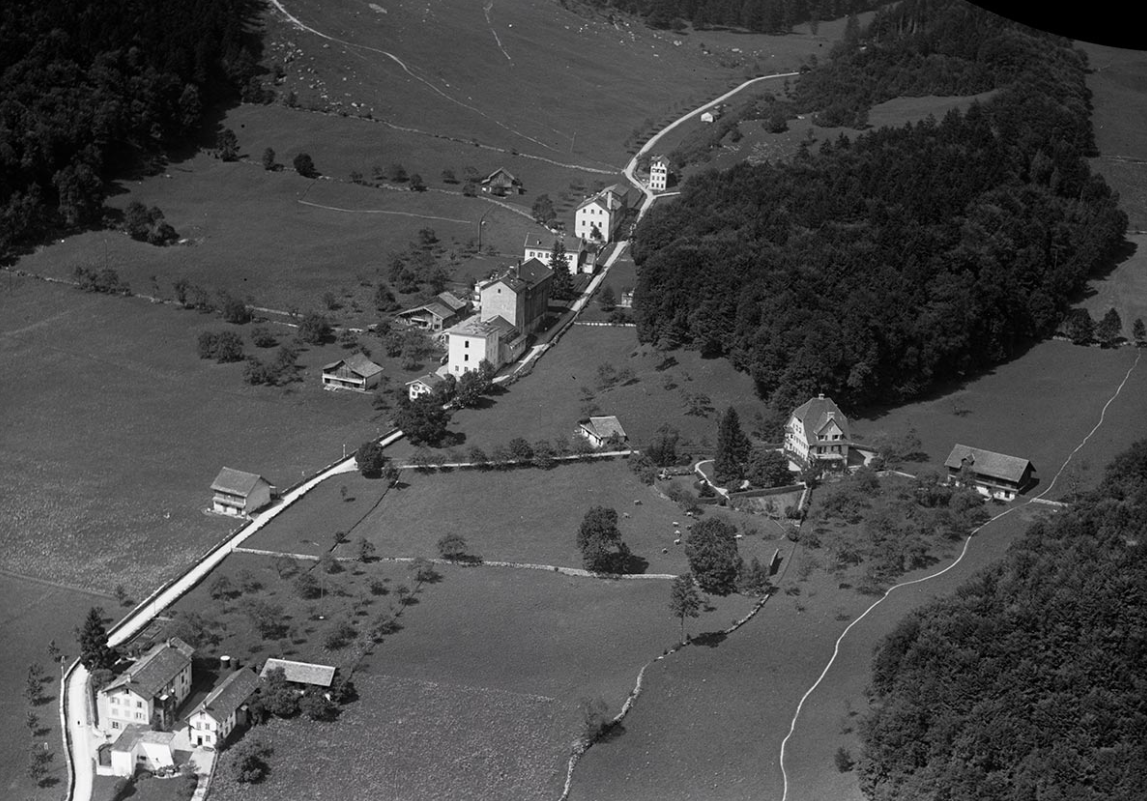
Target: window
column 115, row 724
column 139, row 704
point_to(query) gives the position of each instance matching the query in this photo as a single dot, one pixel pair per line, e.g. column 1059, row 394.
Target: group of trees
column 737, row 459
column 763, row 16
column 1081, row 328
column 90, row 89
column 1027, row 682
column 600, row 543
column 881, row 265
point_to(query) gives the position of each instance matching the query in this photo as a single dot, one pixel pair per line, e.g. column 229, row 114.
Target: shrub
column 843, row 759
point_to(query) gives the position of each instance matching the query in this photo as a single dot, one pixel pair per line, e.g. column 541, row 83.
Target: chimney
column 820, row 396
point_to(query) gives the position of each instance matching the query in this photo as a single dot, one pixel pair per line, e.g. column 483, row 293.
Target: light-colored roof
column 235, row 482
column 451, row 300
column 500, row 171
column 434, row 307
column 301, row 672
column 988, row 463
column 430, row 379
column 231, row 693
column 604, row 427
column 475, row 327
column 816, row 413
column 155, row 669
column 357, row 363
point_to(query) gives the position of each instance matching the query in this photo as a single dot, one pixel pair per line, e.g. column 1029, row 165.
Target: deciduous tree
column 684, row 601
column 711, row 548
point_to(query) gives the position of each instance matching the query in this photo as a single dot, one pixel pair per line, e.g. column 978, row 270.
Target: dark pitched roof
column 356, row 362
column 229, row 695
column 451, row 300
column 235, row 482
column 437, row 308
column 155, row 669
column 988, row 463
column 502, row 173
column 301, row 672
column 815, row 413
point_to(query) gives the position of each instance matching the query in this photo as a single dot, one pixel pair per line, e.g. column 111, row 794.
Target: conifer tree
column 94, row 650
column 733, row 448
column 562, row 287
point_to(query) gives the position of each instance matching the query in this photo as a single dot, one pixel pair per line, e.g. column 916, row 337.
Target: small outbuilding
column 996, row 475
column 355, row 372
column 238, row 493
column 139, row 748
column 303, row 674
column 424, row 385
column 501, row 182
column 603, row 432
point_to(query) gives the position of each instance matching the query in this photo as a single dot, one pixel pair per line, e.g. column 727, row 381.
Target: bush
column 304, row 166
column 843, row 759
column 248, row 760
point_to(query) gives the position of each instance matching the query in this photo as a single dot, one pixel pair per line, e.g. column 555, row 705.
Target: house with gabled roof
column 996, row 475
column 239, row 493
column 439, row 314
column 597, row 217
column 817, row 434
column 659, row 173
column 424, row 385
column 150, row 690
column 356, row 372
column 217, row 715
column 603, row 432
column 502, row 182
column 520, row 295
column 304, row 674
column 540, row 247
column 138, row 748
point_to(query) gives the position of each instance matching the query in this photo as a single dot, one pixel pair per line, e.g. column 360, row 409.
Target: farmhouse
column 577, row 256
column 238, row 493
column 424, row 385
column 302, row 674
column 500, row 182
column 474, row 340
column 441, row 313
column 996, row 475
column 659, row 173
column 355, row 372
column 149, row 690
column 597, row 218
column 139, row 748
column 816, row 434
column 222, row 710
column 602, row 432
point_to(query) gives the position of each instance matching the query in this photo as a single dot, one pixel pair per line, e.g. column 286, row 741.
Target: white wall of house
column 658, row 176
column 594, row 215
column 465, row 352
column 206, row 729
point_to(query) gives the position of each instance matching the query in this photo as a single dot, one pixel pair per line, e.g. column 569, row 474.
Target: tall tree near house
column 733, row 448
column 684, row 601
column 562, row 287
column 93, row 638
column 711, row 548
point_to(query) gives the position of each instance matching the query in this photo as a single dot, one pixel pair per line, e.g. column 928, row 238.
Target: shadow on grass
column 710, row 639
column 611, row 732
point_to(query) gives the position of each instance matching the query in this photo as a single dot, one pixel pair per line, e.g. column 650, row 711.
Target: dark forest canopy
column 764, row 16
column 87, row 87
column 1029, row 683
column 876, row 267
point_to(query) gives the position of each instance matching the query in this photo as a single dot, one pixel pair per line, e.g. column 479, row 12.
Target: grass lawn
column 35, row 613
column 179, row 788
column 113, row 431
column 1123, row 289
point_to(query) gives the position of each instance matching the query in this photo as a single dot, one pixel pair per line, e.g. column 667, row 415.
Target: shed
column 603, row 431
column 355, row 372
column 305, row 673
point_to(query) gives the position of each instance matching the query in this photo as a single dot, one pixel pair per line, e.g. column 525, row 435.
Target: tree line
column 878, row 266
column 760, row 16
column 1028, row 682
column 89, row 89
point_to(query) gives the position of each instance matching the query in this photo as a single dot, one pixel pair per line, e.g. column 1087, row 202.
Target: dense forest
column 874, row 267
column 88, row 87
column 765, row 16
column 1029, row 683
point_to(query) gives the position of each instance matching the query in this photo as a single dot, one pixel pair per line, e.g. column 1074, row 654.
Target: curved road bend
column 76, row 699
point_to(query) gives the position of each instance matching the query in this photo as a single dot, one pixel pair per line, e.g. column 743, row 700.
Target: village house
column 473, row 340
column 500, row 182
column 437, row 315
column 424, row 385
column 304, row 675
column 520, row 295
column 577, row 255
column 356, row 372
column 150, row 691
column 137, row 748
column 659, row 173
column 597, row 218
column 996, row 475
column 217, row 715
column 817, row 435
column 238, row 493
column 603, row 432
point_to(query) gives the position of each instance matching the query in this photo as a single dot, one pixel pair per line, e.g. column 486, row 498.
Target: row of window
column 126, row 701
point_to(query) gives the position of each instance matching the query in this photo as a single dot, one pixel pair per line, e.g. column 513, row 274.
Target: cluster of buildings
column 143, row 716
column 817, row 436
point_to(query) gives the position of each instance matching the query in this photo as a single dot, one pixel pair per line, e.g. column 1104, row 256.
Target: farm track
column 954, row 564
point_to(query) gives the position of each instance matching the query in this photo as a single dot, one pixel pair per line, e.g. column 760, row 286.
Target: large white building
column 596, row 219
column 150, row 691
column 817, row 435
column 659, row 173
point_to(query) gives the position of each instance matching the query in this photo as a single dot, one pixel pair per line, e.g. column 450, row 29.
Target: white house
column 473, row 340
column 659, row 173
column 540, row 247
column 817, row 434
column 597, row 217
column 355, row 372
column 423, row 385
column 238, row 493
column 217, row 715
column 152, row 688
column 139, row 748
column 603, row 431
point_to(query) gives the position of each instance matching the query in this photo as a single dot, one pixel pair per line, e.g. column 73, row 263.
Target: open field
column 35, row 613
column 114, row 429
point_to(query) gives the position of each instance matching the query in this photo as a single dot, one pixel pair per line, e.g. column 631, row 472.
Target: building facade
column 659, row 173
column 149, row 691
column 817, row 434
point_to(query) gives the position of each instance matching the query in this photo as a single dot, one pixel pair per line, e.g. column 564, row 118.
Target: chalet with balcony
column 996, row 475
column 356, row 372
column 817, row 435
